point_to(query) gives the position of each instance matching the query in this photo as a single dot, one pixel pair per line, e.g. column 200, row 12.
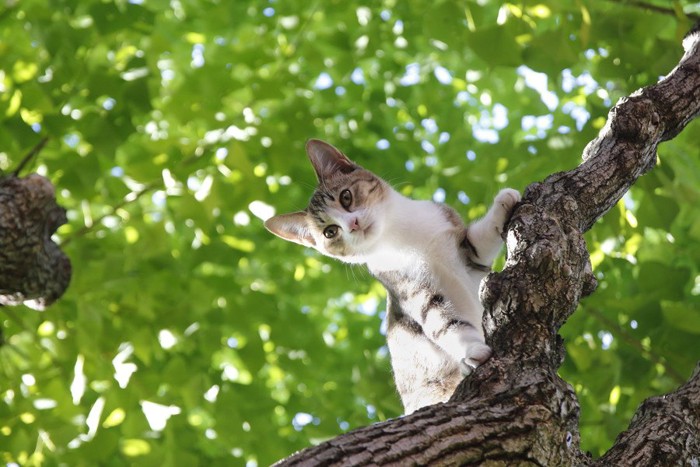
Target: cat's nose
column 354, row 225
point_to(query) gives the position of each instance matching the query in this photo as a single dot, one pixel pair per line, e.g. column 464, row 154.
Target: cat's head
column 345, row 216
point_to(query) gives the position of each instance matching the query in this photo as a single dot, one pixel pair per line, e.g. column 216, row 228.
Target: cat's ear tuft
column 293, row 227
column 327, row 160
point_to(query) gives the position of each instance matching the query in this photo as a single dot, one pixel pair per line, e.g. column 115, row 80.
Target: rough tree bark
column 514, row 409
column 33, row 269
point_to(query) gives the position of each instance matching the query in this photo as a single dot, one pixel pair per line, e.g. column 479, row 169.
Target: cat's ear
column 327, row 160
column 293, row 227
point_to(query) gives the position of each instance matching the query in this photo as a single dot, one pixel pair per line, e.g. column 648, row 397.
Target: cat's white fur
column 414, row 235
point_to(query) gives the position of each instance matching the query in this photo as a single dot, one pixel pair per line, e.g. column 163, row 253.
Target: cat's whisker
column 358, row 272
column 306, row 185
column 349, row 271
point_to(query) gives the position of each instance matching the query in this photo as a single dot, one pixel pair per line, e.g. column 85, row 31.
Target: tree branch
column 654, row 8
column 664, row 431
column 515, row 408
column 30, row 155
column 33, row 269
column 128, row 199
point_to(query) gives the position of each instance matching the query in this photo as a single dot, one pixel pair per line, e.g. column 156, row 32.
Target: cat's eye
column 330, row 231
column 345, row 198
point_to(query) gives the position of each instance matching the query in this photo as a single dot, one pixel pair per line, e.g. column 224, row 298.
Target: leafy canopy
column 189, row 335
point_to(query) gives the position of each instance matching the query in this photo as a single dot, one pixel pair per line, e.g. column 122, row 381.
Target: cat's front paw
column 507, row 198
column 502, row 208
column 477, row 353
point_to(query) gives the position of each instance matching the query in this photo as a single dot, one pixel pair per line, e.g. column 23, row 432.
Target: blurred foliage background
column 189, row 335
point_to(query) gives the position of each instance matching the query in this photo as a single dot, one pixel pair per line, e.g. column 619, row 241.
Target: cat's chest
column 414, row 242
column 425, row 256
column 436, row 266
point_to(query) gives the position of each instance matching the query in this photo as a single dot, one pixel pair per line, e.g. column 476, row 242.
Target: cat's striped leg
column 457, row 336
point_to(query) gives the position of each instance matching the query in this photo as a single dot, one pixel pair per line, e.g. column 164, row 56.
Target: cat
column 429, row 262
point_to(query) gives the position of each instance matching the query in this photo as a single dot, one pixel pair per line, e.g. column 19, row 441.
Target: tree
column 187, row 334
column 515, row 409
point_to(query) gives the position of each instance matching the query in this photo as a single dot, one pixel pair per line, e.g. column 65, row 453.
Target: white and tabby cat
column 430, row 263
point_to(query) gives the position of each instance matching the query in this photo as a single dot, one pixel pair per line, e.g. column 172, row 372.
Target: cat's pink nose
column 354, row 225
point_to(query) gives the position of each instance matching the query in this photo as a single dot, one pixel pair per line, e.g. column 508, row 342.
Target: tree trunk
column 514, row 409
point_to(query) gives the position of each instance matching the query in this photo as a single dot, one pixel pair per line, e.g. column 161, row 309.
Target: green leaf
column 496, row 45
column 683, row 316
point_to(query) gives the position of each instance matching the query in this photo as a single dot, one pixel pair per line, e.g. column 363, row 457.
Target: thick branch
column 515, row 408
column 626, row 146
column 664, row 431
column 504, row 422
column 33, row 270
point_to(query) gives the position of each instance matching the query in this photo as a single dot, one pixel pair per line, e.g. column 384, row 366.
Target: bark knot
column 636, row 119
